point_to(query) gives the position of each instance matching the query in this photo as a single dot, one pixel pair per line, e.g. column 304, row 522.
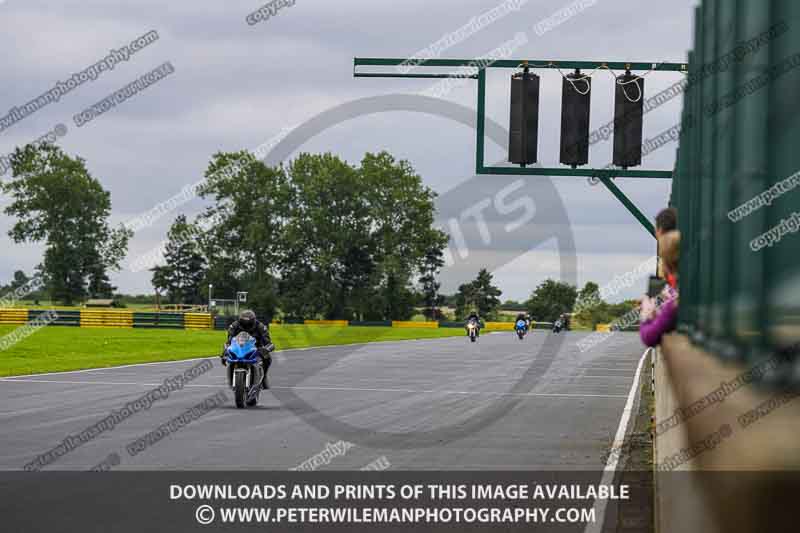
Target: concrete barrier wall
column 701, row 399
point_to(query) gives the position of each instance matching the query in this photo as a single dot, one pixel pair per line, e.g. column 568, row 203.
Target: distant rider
column 559, row 324
column 473, row 317
column 525, row 318
column 248, row 323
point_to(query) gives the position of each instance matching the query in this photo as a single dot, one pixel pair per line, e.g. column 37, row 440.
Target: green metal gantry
column 604, row 175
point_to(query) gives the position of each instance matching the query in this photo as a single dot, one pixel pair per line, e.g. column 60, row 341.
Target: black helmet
column 247, row 319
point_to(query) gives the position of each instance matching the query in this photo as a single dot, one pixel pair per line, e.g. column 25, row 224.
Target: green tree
column 243, row 230
column 20, row 279
column 550, row 299
column 589, row 296
column 183, row 275
column 99, row 283
column 590, row 309
column 57, row 202
column 321, row 237
column 487, row 295
column 330, row 250
column 512, row 305
column 465, row 301
column 479, row 295
column 355, row 237
column 432, row 301
column 402, row 211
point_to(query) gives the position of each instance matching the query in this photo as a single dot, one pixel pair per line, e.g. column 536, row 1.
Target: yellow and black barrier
column 122, row 318
column 407, row 324
column 109, row 318
column 105, row 318
column 13, row 316
column 499, row 326
column 198, row 321
column 326, row 323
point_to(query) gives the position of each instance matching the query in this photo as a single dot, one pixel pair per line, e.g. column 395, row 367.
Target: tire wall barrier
column 64, row 318
column 326, row 323
column 121, row 318
column 159, row 320
column 499, row 326
column 13, row 316
column 114, row 318
column 104, row 318
column 416, row 325
column 198, row 321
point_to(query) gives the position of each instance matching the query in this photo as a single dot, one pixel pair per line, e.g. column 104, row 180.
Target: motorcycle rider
column 248, row 323
column 559, row 324
column 525, row 318
column 473, row 317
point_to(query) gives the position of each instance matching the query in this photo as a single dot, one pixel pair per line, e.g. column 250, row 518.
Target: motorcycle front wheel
column 240, row 388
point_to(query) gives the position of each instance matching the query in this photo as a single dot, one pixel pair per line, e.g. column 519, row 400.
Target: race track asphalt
column 441, row 404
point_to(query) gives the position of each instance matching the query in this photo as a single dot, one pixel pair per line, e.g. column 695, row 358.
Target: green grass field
column 55, row 348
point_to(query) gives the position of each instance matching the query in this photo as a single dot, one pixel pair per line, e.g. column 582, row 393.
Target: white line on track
column 619, row 440
column 335, row 389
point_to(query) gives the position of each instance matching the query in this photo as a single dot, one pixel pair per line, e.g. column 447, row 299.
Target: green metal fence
column 740, row 143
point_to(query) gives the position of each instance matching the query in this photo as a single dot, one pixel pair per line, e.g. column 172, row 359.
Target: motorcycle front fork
column 259, row 371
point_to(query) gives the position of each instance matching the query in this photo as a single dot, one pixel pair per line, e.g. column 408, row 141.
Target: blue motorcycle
column 245, row 371
column 521, row 327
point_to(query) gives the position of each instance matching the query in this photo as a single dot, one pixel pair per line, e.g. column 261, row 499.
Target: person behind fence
column 659, row 315
column 666, row 221
column 249, row 324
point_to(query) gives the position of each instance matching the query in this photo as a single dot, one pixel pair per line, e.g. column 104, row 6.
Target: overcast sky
column 237, row 86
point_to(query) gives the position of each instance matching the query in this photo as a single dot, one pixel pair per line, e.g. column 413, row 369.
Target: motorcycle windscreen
column 243, row 347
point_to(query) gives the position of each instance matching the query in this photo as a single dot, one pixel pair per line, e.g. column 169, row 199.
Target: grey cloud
column 235, row 86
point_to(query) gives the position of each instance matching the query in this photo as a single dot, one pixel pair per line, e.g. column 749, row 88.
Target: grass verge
column 56, row 349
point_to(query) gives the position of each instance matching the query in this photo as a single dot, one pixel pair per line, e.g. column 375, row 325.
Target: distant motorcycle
column 245, row 372
column 521, row 327
column 472, row 331
column 558, row 326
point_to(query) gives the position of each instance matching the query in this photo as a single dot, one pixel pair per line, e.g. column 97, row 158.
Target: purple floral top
column 651, row 331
